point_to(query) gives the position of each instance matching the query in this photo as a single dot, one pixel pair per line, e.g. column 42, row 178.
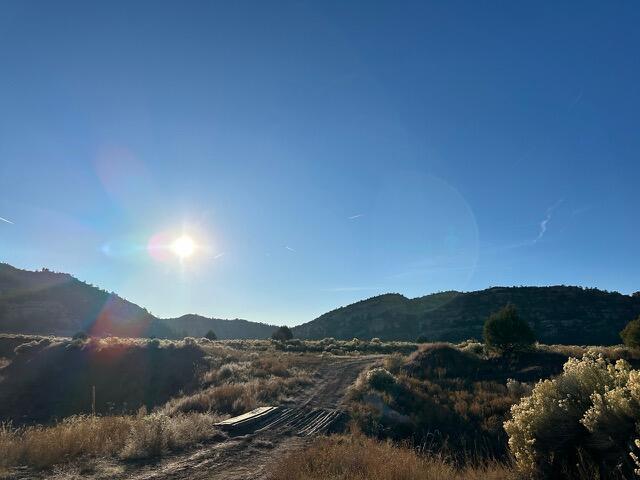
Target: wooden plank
column 246, row 417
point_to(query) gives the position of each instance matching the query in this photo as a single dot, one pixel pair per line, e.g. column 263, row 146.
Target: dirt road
column 248, row 452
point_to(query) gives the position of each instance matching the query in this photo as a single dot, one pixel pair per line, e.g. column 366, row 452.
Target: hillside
column 558, row 314
column 45, row 302
column 198, row 326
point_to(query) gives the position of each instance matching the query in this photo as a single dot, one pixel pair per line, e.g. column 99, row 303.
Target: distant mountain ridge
column 198, row 326
column 45, row 302
column 558, row 314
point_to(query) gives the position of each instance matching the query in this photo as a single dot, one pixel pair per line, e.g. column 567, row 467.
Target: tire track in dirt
column 250, row 449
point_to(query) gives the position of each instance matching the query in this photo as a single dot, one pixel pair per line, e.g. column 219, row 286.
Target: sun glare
column 183, row 246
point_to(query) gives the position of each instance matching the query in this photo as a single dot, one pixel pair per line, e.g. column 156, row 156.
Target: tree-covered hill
column 45, row 302
column 198, row 326
column 557, row 314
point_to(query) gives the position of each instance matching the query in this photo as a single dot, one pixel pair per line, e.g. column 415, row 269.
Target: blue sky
column 319, row 153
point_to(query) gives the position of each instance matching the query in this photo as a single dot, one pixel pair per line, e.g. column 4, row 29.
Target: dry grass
column 127, row 437
column 153, row 435
column 235, row 398
column 432, row 399
column 239, row 381
column 41, row 446
column 226, row 381
column 356, row 457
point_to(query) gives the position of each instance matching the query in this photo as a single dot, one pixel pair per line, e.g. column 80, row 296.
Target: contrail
column 218, row 255
column 7, row 221
column 352, row 217
column 289, row 248
column 543, row 223
column 543, row 227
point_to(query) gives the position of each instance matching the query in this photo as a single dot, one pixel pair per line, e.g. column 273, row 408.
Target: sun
column 183, row 246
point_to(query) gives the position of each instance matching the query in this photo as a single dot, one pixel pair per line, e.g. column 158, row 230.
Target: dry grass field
column 357, row 457
column 417, row 411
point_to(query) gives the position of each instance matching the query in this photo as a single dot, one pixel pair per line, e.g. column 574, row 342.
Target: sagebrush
column 585, row 419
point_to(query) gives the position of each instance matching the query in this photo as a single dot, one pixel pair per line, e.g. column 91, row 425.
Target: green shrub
column 283, row 334
column 211, row 335
column 380, row 379
column 631, row 334
column 507, row 332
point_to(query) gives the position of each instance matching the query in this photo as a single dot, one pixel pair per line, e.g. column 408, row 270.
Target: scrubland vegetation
column 356, row 457
column 124, row 436
column 189, row 385
column 238, row 382
column 354, row 346
column 537, row 412
column 423, row 411
column 462, row 411
column 440, row 397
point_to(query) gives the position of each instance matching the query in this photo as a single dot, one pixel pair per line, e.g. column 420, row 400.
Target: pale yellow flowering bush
column 635, row 458
column 588, row 414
